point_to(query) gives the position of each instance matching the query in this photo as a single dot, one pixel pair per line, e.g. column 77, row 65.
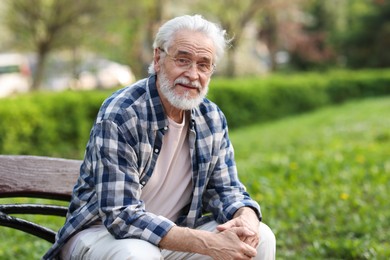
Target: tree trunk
column 268, row 34
column 231, row 63
column 41, row 60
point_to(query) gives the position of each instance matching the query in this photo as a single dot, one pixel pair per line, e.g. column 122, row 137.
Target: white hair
column 197, row 23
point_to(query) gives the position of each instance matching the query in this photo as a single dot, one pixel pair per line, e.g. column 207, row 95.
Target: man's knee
column 267, row 244
column 266, row 233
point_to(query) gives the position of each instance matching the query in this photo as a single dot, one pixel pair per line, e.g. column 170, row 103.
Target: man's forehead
column 192, row 43
column 185, row 52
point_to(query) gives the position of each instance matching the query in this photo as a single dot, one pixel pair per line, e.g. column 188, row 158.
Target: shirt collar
column 157, row 115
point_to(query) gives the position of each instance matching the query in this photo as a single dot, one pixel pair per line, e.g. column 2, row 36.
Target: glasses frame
column 189, row 66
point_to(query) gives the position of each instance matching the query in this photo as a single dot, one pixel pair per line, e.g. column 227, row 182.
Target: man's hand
column 244, row 217
column 224, row 245
column 236, row 239
column 227, row 245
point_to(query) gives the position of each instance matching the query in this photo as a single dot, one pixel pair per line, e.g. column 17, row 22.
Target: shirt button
column 143, row 183
column 156, row 150
column 166, row 128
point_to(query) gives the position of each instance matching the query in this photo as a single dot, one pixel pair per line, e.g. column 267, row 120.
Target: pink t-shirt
column 169, row 188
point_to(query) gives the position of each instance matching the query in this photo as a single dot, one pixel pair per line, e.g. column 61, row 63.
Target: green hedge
column 58, row 124
column 53, row 124
column 245, row 101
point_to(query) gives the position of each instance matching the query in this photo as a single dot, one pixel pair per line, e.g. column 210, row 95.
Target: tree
column 277, row 24
column 126, row 34
column 45, row 25
column 234, row 16
column 366, row 44
column 280, row 28
column 355, row 34
column 309, row 37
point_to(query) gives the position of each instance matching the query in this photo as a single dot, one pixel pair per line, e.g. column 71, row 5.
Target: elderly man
column 159, row 178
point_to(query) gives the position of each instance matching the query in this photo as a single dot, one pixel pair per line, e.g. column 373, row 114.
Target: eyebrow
column 186, row 53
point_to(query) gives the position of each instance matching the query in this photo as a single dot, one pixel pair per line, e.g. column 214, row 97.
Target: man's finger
column 225, row 226
column 243, row 231
column 251, row 252
column 252, row 241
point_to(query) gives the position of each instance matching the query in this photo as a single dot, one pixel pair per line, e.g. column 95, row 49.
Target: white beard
column 183, row 102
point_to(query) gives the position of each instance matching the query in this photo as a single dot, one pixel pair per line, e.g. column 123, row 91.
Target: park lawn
column 321, row 179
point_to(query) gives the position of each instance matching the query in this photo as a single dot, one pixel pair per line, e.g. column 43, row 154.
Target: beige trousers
column 98, row 243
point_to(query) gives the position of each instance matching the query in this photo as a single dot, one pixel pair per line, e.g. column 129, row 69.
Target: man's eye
column 204, row 66
column 183, row 61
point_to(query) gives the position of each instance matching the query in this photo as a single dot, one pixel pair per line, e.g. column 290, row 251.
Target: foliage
column 366, row 44
column 355, row 35
column 245, row 101
column 315, row 34
column 233, row 15
column 59, row 123
column 320, row 178
column 48, row 123
column 309, row 44
column 126, row 34
column 44, row 25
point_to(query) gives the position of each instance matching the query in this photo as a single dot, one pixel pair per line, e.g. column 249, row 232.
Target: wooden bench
column 35, row 177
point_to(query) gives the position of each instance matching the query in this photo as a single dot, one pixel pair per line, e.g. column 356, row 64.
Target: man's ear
column 156, row 59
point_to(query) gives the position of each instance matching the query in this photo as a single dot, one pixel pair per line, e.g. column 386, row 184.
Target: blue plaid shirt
column 121, row 154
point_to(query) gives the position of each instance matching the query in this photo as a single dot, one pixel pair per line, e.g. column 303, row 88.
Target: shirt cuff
column 231, row 210
column 157, row 229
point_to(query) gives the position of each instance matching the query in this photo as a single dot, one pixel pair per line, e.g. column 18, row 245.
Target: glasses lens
column 185, row 63
column 204, row 67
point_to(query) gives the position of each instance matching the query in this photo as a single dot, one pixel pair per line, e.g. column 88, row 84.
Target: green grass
column 321, row 179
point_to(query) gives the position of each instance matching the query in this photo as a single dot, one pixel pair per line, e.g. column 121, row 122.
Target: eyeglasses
column 206, row 68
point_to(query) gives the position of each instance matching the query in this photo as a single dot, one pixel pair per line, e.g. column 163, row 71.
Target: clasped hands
column 239, row 235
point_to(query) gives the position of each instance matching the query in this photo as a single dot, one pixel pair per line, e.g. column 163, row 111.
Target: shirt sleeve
column 225, row 193
column 118, row 188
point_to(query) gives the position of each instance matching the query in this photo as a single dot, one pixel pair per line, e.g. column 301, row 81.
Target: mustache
column 182, row 80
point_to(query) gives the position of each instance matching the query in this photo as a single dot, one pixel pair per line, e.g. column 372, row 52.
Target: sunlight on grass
column 322, row 179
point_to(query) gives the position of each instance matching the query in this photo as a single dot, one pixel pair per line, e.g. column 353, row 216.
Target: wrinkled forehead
column 192, row 43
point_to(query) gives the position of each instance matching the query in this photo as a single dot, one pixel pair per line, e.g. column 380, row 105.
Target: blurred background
column 64, row 44
column 305, row 88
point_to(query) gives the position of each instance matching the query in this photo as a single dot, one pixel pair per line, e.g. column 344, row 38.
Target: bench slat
column 37, row 176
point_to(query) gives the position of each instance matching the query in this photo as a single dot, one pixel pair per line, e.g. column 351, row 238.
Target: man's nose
column 192, row 72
